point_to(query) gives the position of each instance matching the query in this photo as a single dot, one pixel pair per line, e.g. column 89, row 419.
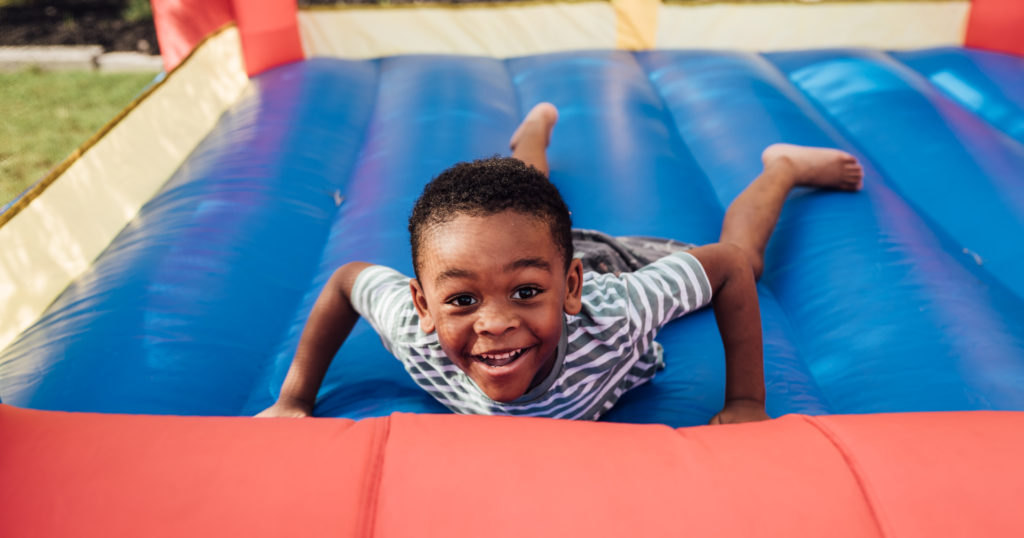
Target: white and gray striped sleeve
column 665, row 290
column 381, row 295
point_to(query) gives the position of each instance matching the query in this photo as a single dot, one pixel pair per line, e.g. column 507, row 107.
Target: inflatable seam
column 374, row 471
column 855, row 470
column 313, row 284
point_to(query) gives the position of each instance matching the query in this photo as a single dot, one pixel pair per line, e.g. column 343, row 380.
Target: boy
column 501, row 317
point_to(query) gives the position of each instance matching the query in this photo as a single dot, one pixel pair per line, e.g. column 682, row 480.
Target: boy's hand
column 328, row 326
column 737, row 411
column 739, row 322
column 286, row 409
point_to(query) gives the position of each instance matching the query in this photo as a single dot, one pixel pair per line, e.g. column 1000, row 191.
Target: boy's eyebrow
column 449, row 274
column 521, row 263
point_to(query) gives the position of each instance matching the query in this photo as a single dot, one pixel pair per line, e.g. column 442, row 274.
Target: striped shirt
column 605, row 350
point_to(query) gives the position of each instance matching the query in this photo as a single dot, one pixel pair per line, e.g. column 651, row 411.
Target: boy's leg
column 530, row 141
column 751, row 217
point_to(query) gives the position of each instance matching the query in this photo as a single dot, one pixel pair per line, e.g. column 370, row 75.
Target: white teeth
column 500, row 359
column 499, row 356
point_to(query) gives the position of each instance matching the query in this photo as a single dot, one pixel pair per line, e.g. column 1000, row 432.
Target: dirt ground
column 92, row 22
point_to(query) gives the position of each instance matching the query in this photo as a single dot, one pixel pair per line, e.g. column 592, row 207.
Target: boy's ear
column 574, row 287
column 419, row 300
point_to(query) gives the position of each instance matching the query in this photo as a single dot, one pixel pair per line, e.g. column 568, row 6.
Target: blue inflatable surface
column 906, row 296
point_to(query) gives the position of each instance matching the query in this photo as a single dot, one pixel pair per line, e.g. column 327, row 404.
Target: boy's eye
column 526, row 292
column 462, row 300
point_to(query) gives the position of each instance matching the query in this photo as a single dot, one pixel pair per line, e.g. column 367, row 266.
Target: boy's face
column 496, row 290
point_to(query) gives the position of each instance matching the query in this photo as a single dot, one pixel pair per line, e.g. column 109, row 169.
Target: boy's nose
column 494, row 320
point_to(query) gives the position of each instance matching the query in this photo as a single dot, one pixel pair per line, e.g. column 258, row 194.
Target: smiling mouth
column 503, row 358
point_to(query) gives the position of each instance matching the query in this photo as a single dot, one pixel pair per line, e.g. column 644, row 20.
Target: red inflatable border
column 907, row 475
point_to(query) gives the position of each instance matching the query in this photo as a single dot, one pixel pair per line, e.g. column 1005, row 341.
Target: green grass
column 44, row 116
column 137, row 10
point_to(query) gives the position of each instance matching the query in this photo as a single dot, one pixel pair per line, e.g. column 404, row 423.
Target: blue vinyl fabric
column 903, row 297
column 986, row 83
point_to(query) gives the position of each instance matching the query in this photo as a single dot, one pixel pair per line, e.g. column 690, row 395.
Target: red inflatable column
column 997, row 25
column 270, row 33
column 182, row 24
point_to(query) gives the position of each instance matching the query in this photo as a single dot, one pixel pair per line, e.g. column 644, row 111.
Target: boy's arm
column 734, row 299
column 329, row 323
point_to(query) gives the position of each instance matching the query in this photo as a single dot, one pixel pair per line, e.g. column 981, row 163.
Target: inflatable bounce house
column 153, row 288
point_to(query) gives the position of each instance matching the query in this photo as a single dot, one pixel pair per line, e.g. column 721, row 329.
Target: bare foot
column 536, row 127
column 816, row 167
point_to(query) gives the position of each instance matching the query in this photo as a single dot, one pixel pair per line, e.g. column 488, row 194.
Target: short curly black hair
column 485, row 187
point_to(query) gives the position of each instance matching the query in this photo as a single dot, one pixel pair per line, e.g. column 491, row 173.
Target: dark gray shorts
column 603, row 253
